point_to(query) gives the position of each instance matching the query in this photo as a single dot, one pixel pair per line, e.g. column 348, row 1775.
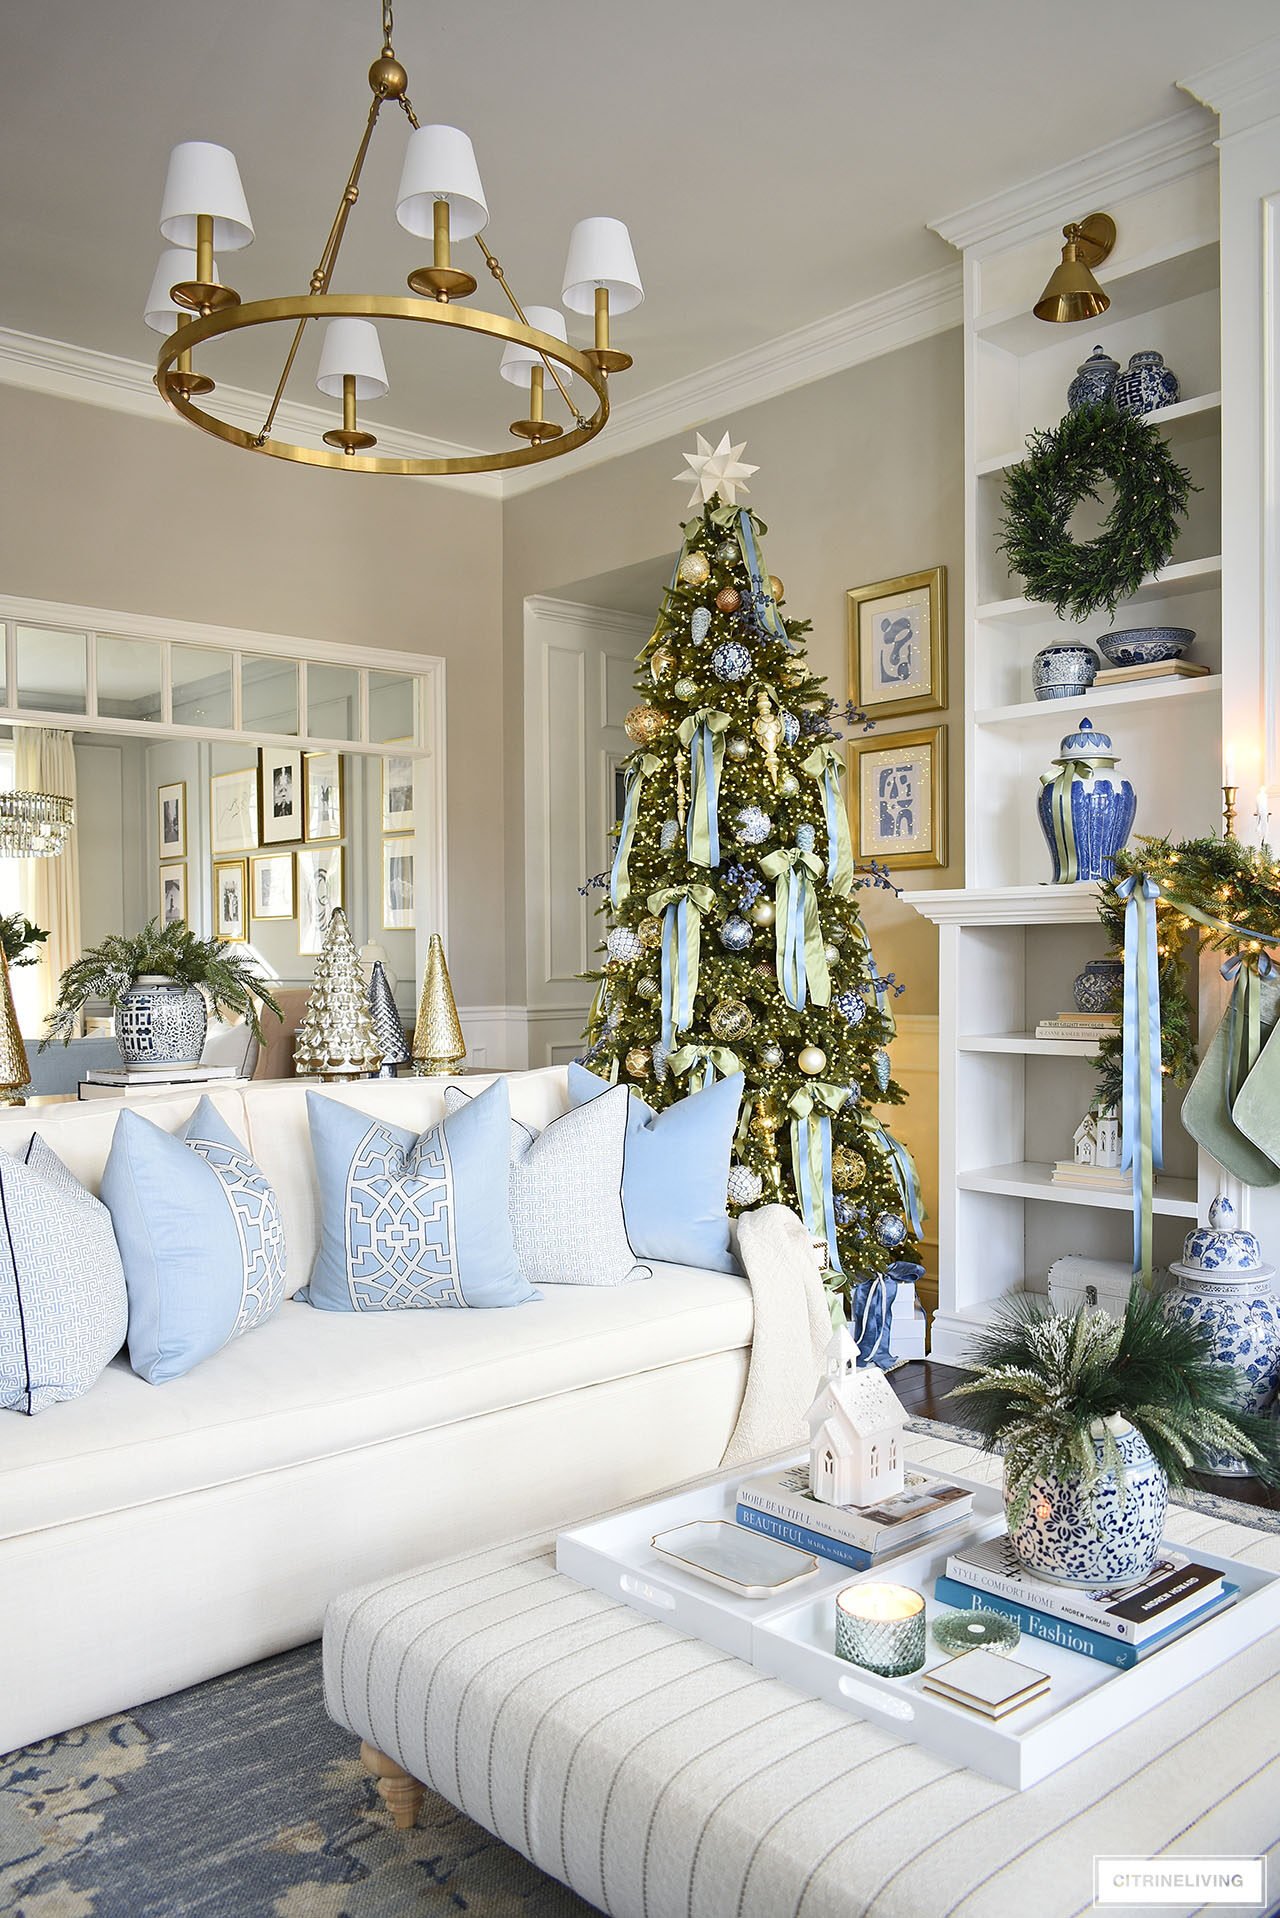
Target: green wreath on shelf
column 1066, row 466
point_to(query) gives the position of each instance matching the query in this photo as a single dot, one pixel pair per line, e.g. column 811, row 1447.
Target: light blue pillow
column 200, row 1235
column 676, row 1171
column 411, row 1220
column 63, row 1310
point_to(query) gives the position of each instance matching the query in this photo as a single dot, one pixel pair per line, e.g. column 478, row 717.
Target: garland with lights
column 1066, row 466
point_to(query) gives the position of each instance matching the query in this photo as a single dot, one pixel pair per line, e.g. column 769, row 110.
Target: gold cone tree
column 736, row 942
column 335, row 1038
column 438, row 1044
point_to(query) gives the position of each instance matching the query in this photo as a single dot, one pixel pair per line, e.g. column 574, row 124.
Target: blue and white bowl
column 1146, row 645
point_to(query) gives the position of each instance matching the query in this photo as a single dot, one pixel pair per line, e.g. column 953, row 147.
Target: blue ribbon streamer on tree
column 801, row 959
column 703, row 733
column 682, row 908
column 826, row 766
column 1141, row 1116
column 761, row 592
column 619, row 872
column 903, row 1168
column 811, row 1150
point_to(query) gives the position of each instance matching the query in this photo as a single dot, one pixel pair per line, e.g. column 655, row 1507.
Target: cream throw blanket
column 792, row 1331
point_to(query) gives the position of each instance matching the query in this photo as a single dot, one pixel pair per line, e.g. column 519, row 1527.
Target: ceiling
column 775, row 164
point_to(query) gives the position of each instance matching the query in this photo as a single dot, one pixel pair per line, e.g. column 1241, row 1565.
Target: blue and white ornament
column 736, row 933
column 853, row 1097
column 883, row 1066
column 731, row 660
column 891, row 1230
column 624, row 945
column 754, row 825
column 699, row 624
column 805, row 837
column 790, row 726
column 846, row 1210
column 745, row 1185
column 852, row 1007
column 668, row 835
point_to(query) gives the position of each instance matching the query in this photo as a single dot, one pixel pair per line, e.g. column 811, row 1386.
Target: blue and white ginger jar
column 1086, row 810
column 1097, row 987
column 1106, row 1535
column 1145, row 384
column 161, row 1024
column 1063, row 672
column 1222, row 1285
column 1095, row 380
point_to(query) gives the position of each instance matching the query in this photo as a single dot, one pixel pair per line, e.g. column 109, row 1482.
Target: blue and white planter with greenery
column 1105, row 1534
column 161, row 1024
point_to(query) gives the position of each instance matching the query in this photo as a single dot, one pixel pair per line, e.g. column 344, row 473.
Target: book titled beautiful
column 924, row 1504
column 1175, row 1587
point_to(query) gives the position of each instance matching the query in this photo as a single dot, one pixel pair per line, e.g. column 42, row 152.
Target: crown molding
column 1155, row 155
column 1244, row 90
column 881, row 324
column 574, row 612
column 128, row 386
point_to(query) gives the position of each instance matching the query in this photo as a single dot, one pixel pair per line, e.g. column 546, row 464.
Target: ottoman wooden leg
column 401, row 1794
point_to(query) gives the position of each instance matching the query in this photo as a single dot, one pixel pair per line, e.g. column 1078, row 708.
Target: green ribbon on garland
column 682, row 908
column 902, row 1166
column 620, row 874
column 810, row 1107
column 703, row 733
column 826, row 766
column 1064, row 835
column 801, row 960
column 711, row 1059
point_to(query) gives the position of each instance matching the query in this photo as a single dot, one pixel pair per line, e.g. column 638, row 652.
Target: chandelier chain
column 388, row 28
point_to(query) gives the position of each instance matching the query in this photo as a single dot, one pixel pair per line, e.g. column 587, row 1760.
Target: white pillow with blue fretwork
column 63, row 1310
column 566, row 1194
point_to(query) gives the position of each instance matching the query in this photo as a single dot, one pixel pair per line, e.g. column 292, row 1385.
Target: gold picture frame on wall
column 173, row 894
column 320, row 888
column 171, row 817
column 898, row 644
column 272, row 893
column 231, row 899
column 898, row 797
column 398, row 902
column 326, row 795
column 233, row 810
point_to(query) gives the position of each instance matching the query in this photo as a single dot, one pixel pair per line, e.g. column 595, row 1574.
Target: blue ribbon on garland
column 1141, row 1114
column 903, row 1168
column 761, row 595
column 811, row 1153
column 682, row 908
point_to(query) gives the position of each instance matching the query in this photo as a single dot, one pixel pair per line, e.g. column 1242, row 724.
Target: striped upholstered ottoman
column 661, row 1778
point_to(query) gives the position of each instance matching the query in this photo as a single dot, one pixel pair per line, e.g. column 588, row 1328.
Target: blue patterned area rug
column 240, row 1799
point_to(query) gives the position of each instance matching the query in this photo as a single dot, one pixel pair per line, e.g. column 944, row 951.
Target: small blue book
column 804, row 1540
column 1076, row 1638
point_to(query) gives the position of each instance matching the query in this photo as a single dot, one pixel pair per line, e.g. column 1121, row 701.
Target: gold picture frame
column 898, row 644
column 173, row 893
column 398, row 897
column 321, row 885
column 270, row 898
column 171, row 820
column 321, row 786
column 281, row 799
column 231, row 900
column 233, row 811
column 898, row 797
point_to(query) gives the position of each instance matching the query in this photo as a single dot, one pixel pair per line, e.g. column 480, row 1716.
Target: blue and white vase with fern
column 1107, row 1533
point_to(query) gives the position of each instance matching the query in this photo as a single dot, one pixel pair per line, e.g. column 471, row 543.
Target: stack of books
column 1154, row 669
column 987, row 1683
column 1079, row 1025
column 1121, row 1625
column 780, row 1505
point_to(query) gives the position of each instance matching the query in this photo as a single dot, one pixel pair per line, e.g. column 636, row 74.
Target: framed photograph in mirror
column 898, row 644
column 173, row 895
column 898, row 797
column 233, row 811
column 397, row 883
column 271, row 888
column 325, row 795
column 280, row 794
column 319, row 870
column 171, row 801
column 397, row 793
column 230, row 899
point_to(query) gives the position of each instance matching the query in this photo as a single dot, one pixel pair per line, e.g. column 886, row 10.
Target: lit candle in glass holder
column 881, row 1628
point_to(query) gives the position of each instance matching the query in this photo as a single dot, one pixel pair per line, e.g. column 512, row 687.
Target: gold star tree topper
column 720, row 472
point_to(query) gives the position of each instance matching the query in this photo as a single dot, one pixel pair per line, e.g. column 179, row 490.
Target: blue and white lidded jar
column 1107, row 1534
column 1222, row 1284
column 161, row 1023
column 1086, row 810
column 1063, row 672
column 1145, row 384
column 1097, row 987
column 1095, row 380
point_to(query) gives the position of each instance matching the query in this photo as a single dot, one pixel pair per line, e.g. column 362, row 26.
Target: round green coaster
column 957, row 1632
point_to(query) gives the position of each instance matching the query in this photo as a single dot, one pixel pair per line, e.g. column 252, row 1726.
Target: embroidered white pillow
column 566, row 1194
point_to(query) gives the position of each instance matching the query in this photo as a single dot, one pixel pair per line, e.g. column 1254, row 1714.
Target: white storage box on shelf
column 1075, row 1280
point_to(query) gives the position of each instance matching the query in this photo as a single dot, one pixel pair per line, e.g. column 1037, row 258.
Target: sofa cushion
column 414, row 1220
column 312, row 1385
column 62, row 1297
column 200, row 1235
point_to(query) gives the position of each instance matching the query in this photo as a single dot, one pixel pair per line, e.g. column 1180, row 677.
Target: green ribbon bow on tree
column 826, row 766
column 703, row 733
column 682, row 908
column 620, row 873
column 810, row 1106
column 711, row 1059
column 802, row 964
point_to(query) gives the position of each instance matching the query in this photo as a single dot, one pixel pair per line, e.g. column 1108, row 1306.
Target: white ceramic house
column 855, row 1431
column 1108, row 1125
column 1086, row 1141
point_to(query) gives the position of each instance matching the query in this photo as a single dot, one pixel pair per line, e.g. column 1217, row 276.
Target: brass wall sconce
column 1072, row 292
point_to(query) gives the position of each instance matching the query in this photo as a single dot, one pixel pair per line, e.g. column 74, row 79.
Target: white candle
column 880, row 1601
column 1228, row 767
column 1262, row 813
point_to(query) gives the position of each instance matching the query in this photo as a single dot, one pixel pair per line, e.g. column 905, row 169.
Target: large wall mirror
column 241, row 782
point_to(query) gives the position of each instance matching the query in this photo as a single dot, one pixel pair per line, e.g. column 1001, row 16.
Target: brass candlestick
column 1229, row 811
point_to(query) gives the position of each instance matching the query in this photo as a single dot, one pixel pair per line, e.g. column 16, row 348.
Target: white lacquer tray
column 792, row 1638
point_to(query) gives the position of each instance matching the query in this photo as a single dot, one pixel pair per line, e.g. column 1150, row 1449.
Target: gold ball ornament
column 643, row 724
column 736, row 747
column 777, row 588
column 695, row 569
column 764, row 968
column 731, row 1019
column 812, row 1060
column 795, row 672
column 763, row 913
column 686, row 689
column 662, row 663
column 649, row 932
column 728, row 599
column 766, row 1119
column 848, row 1169
column 638, row 1061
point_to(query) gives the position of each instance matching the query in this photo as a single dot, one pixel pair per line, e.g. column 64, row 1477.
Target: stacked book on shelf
column 780, row 1505
column 1080, row 1025
column 1153, row 669
column 1121, row 1625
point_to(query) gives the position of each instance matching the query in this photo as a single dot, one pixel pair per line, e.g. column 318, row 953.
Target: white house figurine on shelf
column 855, row 1431
column 1086, row 1141
column 1108, row 1130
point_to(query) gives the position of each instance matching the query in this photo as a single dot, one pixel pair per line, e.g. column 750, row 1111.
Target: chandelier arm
column 495, row 267
column 328, row 259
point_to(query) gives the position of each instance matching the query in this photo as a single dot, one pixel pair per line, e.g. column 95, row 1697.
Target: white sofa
column 152, row 1536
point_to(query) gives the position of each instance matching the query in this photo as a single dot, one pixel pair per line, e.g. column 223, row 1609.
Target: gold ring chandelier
column 204, row 211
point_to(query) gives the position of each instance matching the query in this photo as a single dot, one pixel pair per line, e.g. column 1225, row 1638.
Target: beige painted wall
column 104, row 509
column 860, row 479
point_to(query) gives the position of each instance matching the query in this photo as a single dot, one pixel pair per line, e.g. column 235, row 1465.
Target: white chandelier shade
column 601, row 255
column 204, row 179
column 517, row 359
column 352, row 347
column 440, row 164
column 161, row 312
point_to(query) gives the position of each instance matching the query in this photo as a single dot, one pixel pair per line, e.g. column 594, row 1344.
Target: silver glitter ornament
column 726, row 553
column 788, row 785
column 771, row 1056
column 745, row 1185
column 805, row 837
column 736, row 747
column 754, row 825
column 668, row 835
column 736, row 933
column 686, row 689
column 624, row 945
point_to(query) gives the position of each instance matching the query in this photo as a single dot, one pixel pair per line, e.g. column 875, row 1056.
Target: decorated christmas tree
column 736, row 943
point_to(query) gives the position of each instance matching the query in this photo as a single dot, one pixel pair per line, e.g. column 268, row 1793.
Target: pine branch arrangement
column 230, row 981
column 1043, row 1381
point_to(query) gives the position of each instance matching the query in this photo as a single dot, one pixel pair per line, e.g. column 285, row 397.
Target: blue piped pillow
column 414, row 1220
column 200, row 1238
column 676, row 1171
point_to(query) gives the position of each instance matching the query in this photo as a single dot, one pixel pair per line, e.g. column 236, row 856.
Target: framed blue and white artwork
column 898, row 797
column 898, row 644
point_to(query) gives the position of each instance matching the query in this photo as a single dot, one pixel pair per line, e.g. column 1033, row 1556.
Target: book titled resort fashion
column 1175, row 1587
column 1069, row 1637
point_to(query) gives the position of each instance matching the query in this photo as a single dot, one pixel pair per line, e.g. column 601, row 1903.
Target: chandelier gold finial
column 204, row 212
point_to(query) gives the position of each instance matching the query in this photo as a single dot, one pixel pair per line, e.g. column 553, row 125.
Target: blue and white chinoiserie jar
column 1145, row 384
column 1063, row 672
column 1095, row 380
column 1097, row 986
column 1221, row 1284
column 1086, row 810
column 1104, row 1535
column 161, row 1024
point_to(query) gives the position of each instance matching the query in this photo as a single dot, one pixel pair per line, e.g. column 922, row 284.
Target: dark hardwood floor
column 925, row 1388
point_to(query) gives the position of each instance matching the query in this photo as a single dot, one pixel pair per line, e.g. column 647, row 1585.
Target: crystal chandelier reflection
column 34, row 825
